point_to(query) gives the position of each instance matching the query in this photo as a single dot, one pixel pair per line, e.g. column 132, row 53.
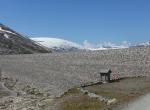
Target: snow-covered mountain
column 58, row 44
column 12, row 42
column 144, row 44
column 65, row 46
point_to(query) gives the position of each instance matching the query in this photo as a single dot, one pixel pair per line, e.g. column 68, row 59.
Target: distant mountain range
column 143, row 44
column 12, row 42
column 61, row 45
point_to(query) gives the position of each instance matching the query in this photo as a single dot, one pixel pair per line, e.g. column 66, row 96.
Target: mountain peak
column 58, row 44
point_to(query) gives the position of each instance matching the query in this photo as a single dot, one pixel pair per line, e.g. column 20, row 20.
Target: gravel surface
column 57, row 72
column 4, row 88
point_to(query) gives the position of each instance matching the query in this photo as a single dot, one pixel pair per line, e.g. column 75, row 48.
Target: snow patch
column 2, row 30
column 57, row 43
column 144, row 44
column 6, row 36
column 105, row 45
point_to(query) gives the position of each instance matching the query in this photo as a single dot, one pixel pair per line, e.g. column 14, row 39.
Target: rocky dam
column 55, row 73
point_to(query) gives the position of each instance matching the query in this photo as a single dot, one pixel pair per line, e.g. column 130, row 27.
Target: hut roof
column 105, row 70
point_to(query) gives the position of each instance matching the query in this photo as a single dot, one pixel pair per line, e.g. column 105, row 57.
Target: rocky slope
column 12, row 42
column 57, row 72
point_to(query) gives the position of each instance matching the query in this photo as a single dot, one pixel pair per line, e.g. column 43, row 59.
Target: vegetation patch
column 124, row 91
column 81, row 103
column 75, row 100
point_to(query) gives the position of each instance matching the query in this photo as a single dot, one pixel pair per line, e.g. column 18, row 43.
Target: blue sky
column 78, row 20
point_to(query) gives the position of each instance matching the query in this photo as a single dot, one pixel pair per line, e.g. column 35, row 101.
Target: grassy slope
column 124, row 91
column 75, row 100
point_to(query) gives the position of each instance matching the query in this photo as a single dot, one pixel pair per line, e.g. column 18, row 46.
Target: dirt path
column 4, row 88
column 142, row 103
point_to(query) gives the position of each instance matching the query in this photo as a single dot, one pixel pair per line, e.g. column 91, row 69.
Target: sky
column 94, row 21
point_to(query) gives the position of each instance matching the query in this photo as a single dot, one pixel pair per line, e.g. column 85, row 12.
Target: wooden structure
column 0, row 74
column 105, row 75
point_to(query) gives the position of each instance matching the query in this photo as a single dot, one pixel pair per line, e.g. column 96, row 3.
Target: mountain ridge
column 12, row 42
column 62, row 45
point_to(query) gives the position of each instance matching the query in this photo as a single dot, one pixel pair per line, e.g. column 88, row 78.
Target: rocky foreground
column 111, row 96
column 15, row 96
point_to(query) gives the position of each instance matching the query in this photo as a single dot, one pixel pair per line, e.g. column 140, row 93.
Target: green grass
column 120, row 90
column 81, row 103
column 75, row 100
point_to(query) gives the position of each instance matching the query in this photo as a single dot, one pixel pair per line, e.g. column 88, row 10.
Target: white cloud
column 126, row 44
column 86, row 44
column 103, row 45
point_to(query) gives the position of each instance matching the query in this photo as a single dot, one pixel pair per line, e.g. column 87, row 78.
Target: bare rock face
column 12, row 42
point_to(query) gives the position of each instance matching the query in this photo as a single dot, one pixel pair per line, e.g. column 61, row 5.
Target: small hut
column 105, row 75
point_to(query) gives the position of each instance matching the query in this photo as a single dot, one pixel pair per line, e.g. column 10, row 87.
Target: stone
column 112, row 101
